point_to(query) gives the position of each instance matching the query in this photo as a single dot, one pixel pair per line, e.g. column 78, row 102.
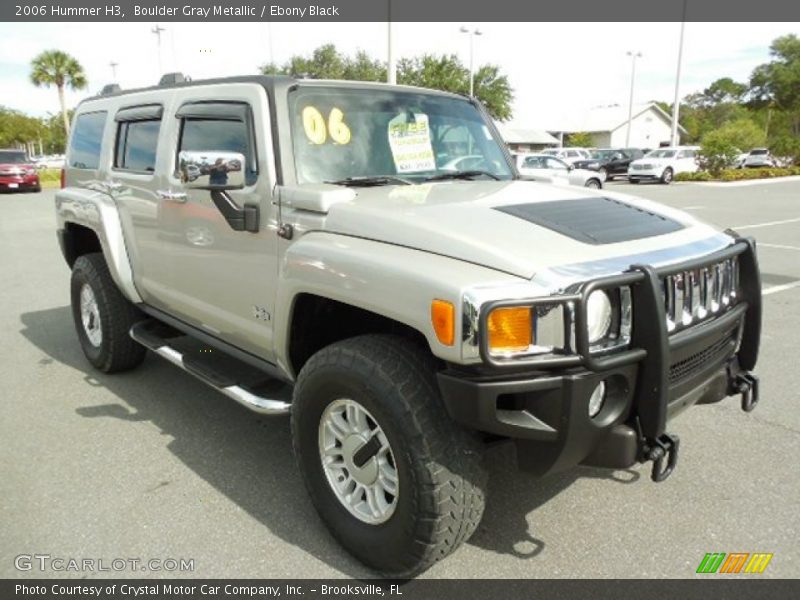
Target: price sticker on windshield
column 318, row 131
column 410, row 142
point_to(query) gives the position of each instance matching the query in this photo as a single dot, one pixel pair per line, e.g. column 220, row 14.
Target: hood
column 518, row 227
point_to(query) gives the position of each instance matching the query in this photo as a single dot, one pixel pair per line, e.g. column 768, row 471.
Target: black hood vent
column 594, row 220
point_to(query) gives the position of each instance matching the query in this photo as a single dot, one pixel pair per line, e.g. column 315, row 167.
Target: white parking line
column 767, row 224
column 780, row 288
column 780, row 246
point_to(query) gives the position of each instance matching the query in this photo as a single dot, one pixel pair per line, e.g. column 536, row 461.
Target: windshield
column 12, row 158
column 350, row 133
column 661, row 154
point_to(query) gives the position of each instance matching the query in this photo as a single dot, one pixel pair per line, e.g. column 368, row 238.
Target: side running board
column 262, row 395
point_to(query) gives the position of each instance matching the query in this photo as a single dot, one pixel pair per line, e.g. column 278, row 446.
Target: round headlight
column 598, row 315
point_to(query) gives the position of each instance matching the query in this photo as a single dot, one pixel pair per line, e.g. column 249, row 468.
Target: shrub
column 719, row 148
column 739, row 174
column 696, row 176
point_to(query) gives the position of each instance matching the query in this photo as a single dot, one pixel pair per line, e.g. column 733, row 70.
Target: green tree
column 720, row 147
column 54, row 67
column 443, row 72
column 776, row 84
column 580, row 139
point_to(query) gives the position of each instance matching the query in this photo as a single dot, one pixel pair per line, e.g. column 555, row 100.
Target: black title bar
column 401, row 10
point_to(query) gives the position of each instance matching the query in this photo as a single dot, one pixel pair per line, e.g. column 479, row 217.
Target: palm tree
column 54, row 67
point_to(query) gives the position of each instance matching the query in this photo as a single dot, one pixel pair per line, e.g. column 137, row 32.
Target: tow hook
column 663, row 448
column 746, row 384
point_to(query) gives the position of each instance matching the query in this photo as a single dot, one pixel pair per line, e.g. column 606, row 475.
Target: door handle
column 170, row 196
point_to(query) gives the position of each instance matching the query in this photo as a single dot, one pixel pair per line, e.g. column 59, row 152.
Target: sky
column 554, row 68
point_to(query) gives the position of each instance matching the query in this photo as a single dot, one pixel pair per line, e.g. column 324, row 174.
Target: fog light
column 597, row 399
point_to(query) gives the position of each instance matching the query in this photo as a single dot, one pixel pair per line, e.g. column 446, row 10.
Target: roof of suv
column 276, row 82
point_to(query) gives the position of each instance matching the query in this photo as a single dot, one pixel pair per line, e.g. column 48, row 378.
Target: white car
column 568, row 155
column 663, row 163
column 759, row 157
column 55, row 161
column 549, row 169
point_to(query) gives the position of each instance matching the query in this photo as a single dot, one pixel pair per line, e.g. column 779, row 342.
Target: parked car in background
column 568, row 155
column 17, row 172
column 759, row 157
column 52, row 161
column 663, row 163
column 610, row 161
column 549, row 169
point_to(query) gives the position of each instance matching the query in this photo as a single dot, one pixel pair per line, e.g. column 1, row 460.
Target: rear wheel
column 398, row 483
column 103, row 316
column 593, row 184
column 666, row 176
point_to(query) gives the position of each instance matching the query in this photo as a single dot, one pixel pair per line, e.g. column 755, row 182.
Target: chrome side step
column 156, row 337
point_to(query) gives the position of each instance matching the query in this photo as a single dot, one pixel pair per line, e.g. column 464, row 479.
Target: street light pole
column 113, row 66
column 676, row 105
column 634, row 56
column 158, row 31
column 391, row 63
column 472, row 34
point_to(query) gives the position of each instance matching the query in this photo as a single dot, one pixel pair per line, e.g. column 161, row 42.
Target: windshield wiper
column 462, row 175
column 371, row 181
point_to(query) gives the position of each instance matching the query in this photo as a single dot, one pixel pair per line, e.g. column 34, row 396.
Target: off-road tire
column 439, row 464
column 117, row 351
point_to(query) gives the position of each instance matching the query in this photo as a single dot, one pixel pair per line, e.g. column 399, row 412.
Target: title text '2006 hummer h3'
column 317, row 238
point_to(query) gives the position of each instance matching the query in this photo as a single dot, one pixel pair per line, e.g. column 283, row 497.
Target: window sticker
column 316, row 130
column 410, row 142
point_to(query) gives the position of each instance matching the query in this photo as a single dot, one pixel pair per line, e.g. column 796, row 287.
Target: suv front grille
column 691, row 365
column 700, row 294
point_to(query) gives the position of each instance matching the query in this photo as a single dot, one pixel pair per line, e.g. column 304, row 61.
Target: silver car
column 549, row 169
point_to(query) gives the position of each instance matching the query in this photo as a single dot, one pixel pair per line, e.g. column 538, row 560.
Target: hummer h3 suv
column 403, row 315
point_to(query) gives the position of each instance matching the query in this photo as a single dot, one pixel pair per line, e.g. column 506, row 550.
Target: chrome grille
column 699, row 294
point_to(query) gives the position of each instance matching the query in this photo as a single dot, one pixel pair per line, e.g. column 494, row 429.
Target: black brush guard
column 651, row 344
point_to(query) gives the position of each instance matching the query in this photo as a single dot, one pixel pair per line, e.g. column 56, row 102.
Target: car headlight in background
column 599, row 314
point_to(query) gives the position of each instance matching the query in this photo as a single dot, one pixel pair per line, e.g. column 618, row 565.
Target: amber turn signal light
column 510, row 329
column 443, row 317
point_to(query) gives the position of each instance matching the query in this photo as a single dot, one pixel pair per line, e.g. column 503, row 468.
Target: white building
column 526, row 140
column 608, row 125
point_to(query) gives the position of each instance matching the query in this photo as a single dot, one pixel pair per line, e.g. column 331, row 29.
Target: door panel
column 222, row 280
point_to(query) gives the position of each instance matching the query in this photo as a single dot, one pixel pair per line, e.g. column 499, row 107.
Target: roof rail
column 111, row 88
column 173, row 78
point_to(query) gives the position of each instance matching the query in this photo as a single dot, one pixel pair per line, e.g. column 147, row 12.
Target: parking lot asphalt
column 152, row 464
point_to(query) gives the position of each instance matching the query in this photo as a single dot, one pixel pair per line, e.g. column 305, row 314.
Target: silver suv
column 308, row 248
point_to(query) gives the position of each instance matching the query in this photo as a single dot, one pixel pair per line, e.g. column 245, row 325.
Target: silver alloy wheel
column 370, row 491
column 90, row 316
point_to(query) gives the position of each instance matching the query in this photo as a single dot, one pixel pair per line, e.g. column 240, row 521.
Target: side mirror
column 211, row 170
column 219, row 172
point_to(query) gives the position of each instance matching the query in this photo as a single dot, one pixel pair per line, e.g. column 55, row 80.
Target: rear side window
column 87, row 138
column 136, row 145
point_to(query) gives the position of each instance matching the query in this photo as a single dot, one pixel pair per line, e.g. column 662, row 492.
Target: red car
column 17, row 173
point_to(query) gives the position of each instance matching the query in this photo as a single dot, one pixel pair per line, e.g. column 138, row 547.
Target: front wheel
column 666, row 176
column 398, row 483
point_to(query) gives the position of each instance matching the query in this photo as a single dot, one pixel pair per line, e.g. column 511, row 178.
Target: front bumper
column 659, row 375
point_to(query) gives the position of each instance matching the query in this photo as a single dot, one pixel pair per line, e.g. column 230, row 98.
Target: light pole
column 113, row 66
column 676, row 105
column 391, row 62
column 472, row 33
column 634, row 56
column 157, row 30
